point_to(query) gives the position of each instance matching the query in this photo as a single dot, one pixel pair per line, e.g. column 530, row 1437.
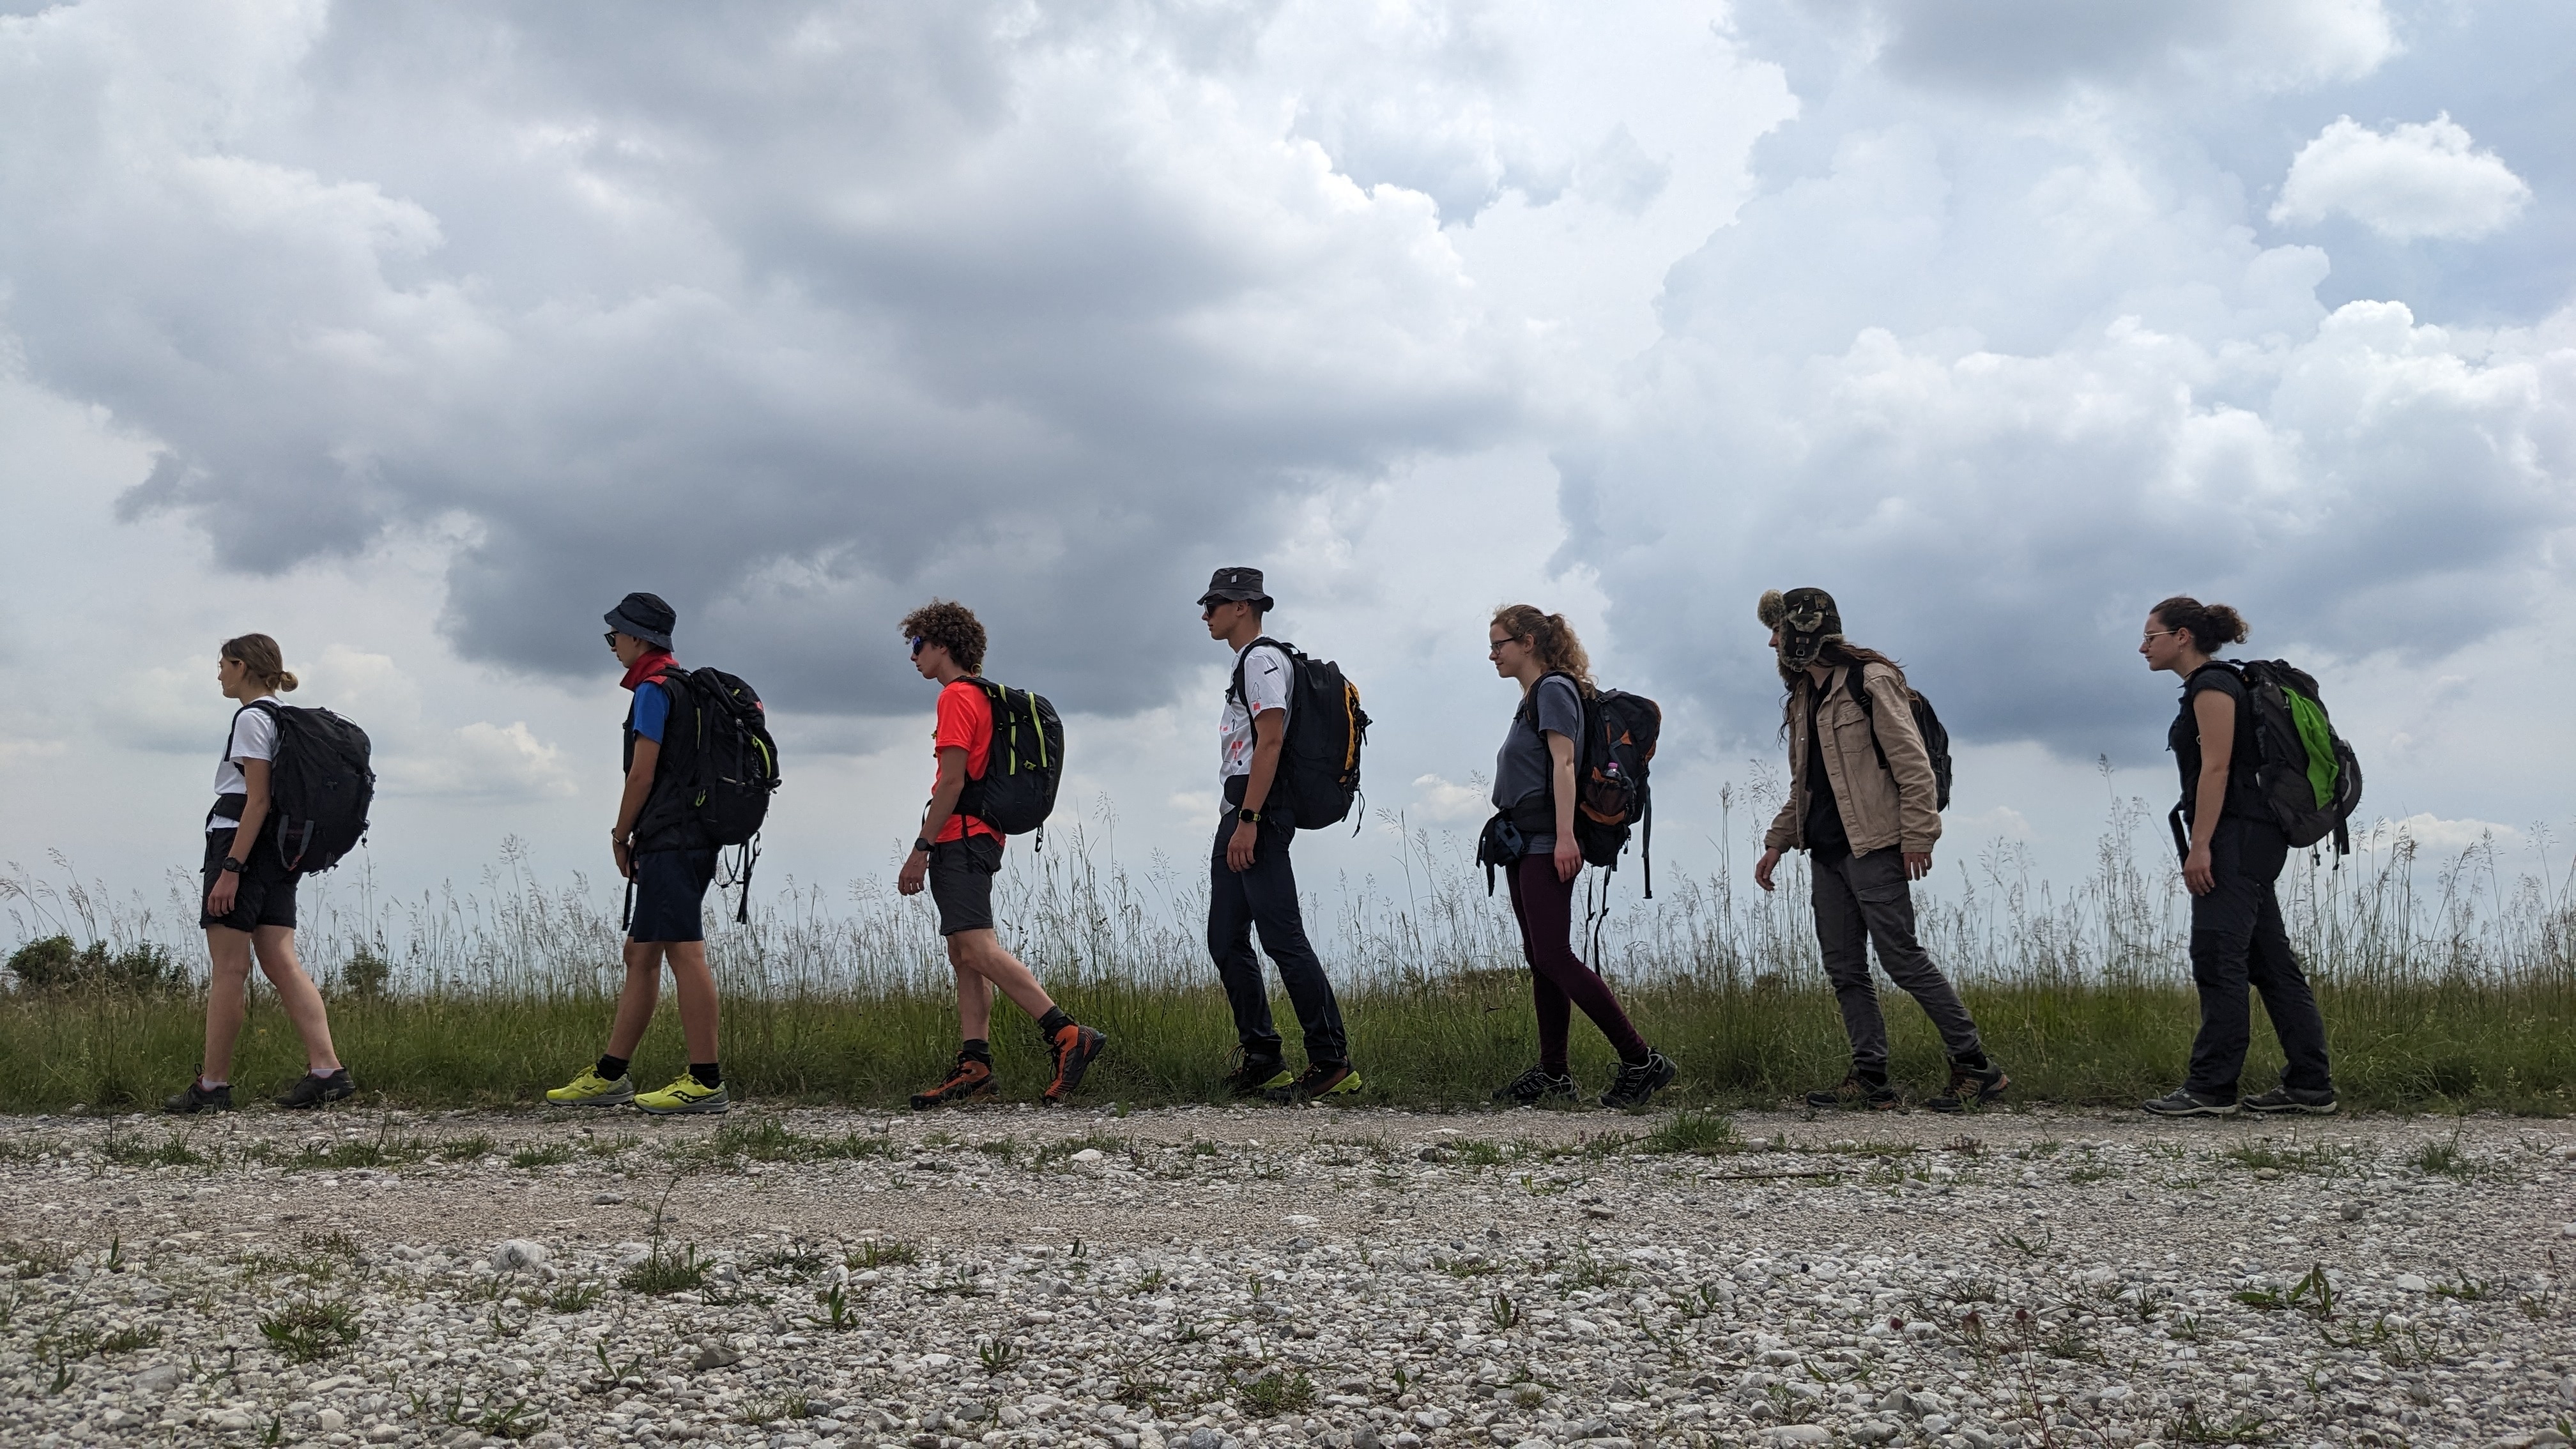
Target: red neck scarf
column 650, row 663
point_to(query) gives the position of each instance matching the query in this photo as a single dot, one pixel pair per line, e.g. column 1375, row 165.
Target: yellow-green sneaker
column 590, row 1089
column 687, row 1094
column 1322, row 1080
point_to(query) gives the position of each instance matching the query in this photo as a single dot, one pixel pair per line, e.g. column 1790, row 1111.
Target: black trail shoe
column 2181, row 1103
column 1322, row 1080
column 1538, row 1085
column 199, row 1098
column 1258, row 1076
column 1854, row 1093
column 312, row 1091
column 2291, row 1099
column 1970, row 1089
column 1637, row 1084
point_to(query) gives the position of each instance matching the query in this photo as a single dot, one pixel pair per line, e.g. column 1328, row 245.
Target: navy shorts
column 961, row 882
column 266, row 895
column 670, row 892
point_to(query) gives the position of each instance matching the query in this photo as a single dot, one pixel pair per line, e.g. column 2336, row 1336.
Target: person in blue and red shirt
column 956, row 857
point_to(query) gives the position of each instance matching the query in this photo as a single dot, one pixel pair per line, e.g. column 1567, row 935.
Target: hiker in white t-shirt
column 1250, row 881
column 249, row 902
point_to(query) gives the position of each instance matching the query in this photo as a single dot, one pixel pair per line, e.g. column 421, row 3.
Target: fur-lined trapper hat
column 1806, row 619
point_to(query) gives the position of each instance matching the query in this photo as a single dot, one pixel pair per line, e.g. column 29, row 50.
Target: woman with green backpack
column 2232, row 857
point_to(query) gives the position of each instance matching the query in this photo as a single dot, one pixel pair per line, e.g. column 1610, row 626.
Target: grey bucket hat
column 645, row 616
column 1237, row 585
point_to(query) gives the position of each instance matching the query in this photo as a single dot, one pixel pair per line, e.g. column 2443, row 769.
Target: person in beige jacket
column 1865, row 806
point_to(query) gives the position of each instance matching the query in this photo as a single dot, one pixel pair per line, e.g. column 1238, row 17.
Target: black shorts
column 961, row 882
column 670, row 895
column 266, row 895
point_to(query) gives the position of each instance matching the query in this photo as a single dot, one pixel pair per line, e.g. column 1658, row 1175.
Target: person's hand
column 2197, row 873
column 624, row 854
column 1762, row 868
column 1569, row 858
column 1238, row 851
column 219, row 898
column 1918, row 864
column 914, row 875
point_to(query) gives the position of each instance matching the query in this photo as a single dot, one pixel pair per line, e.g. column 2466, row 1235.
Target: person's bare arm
column 944, row 794
column 1269, row 734
column 2215, row 713
column 1568, row 854
column 254, row 814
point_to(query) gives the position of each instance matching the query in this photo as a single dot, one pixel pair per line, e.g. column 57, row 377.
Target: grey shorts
column 961, row 882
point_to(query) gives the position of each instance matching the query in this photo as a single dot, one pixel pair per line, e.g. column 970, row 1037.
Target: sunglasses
column 609, row 638
column 917, row 642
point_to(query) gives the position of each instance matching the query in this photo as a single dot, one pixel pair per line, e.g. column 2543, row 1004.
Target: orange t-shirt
column 965, row 723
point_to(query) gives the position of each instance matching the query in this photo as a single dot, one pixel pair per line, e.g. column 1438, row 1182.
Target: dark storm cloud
column 795, row 315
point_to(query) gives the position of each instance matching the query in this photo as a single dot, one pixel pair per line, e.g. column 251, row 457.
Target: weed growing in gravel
column 2444, row 1159
column 2466, row 1290
column 888, row 1253
column 769, row 1140
column 2192, row 1428
column 1004, row 1150
column 1275, row 1393
column 1504, row 1312
column 573, row 1296
column 304, row 1332
column 1149, row 1282
column 127, row 1340
column 171, row 1151
column 793, row 1406
column 1703, row 1134
column 796, row 1262
column 465, row 1149
column 2322, row 1160
column 35, row 1260
column 664, row 1272
column 1584, row 1271
column 837, row 1315
column 997, row 1355
column 553, row 1154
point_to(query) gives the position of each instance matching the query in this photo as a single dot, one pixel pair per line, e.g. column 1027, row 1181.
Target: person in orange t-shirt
column 956, row 857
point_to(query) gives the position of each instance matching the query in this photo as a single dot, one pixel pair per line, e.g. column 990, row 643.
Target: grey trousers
column 1865, row 900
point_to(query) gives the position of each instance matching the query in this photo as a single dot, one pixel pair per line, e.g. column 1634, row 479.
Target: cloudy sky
column 414, row 334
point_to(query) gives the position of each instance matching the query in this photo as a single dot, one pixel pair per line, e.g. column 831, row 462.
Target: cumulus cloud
column 2017, row 46
column 2410, row 182
column 1446, row 802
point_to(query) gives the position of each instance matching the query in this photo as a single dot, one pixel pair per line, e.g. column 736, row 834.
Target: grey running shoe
column 2181, row 1103
column 1853, row 1092
column 199, row 1098
column 2291, row 1099
column 312, row 1091
column 1637, row 1084
column 1970, row 1089
column 1537, row 1085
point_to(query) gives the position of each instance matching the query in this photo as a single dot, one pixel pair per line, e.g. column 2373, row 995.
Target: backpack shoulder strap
column 1529, row 701
column 1234, row 690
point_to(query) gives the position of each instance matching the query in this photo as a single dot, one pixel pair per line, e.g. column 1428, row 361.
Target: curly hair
column 953, row 627
column 1559, row 652
column 262, row 660
column 2212, row 627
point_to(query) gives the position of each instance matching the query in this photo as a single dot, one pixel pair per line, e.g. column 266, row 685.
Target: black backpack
column 319, row 786
column 1022, row 766
column 1936, row 737
column 1319, row 762
column 727, row 764
column 2305, row 771
column 1613, row 793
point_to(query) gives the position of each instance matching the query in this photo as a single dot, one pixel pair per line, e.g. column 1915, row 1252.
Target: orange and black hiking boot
column 969, row 1079
column 1075, row 1047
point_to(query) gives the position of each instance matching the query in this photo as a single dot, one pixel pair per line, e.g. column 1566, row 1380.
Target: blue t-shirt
column 652, row 710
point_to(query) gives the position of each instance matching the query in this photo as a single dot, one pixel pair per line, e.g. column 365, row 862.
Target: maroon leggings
column 1544, row 906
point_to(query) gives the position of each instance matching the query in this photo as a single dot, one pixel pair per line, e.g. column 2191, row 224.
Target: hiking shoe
column 199, row 1098
column 684, row 1095
column 1970, row 1089
column 1537, row 1085
column 1854, row 1093
column 2181, row 1103
column 312, row 1091
column 967, row 1080
column 1258, row 1077
column 1322, row 1079
column 1076, row 1047
column 1637, row 1083
column 590, row 1089
column 2291, row 1099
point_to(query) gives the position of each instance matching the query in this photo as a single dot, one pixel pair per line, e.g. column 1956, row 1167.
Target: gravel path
column 1210, row 1278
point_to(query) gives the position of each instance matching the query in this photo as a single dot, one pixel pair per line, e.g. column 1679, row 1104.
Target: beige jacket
column 1895, row 805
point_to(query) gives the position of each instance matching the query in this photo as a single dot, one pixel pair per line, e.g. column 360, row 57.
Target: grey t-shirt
column 1522, row 768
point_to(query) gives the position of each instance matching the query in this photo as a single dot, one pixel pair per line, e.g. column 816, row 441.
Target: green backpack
column 2306, row 772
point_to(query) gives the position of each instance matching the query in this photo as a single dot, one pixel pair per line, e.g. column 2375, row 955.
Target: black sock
column 1974, row 1061
column 707, row 1073
column 1054, row 1021
column 976, row 1049
column 610, row 1068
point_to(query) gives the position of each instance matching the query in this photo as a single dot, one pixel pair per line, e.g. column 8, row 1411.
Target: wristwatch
column 232, row 866
column 921, row 845
column 1247, row 815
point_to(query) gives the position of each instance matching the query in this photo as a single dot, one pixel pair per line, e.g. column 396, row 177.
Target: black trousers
column 2237, row 939
column 1266, row 895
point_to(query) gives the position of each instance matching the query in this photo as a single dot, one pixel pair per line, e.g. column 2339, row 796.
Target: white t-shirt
column 254, row 738
column 1266, row 679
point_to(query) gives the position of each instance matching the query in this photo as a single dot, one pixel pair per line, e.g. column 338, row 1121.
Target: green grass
column 1434, row 1041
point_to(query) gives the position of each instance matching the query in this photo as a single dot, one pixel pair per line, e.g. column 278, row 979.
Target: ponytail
column 2212, row 627
column 1559, row 652
column 260, row 657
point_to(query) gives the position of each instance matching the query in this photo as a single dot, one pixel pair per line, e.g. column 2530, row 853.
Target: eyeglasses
column 609, row 638
column 917, row 642
column 2155, row 634
column 1495, row 646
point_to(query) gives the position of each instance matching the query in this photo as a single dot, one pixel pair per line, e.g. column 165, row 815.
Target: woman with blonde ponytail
column 1531, row 839
column 249, row 901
